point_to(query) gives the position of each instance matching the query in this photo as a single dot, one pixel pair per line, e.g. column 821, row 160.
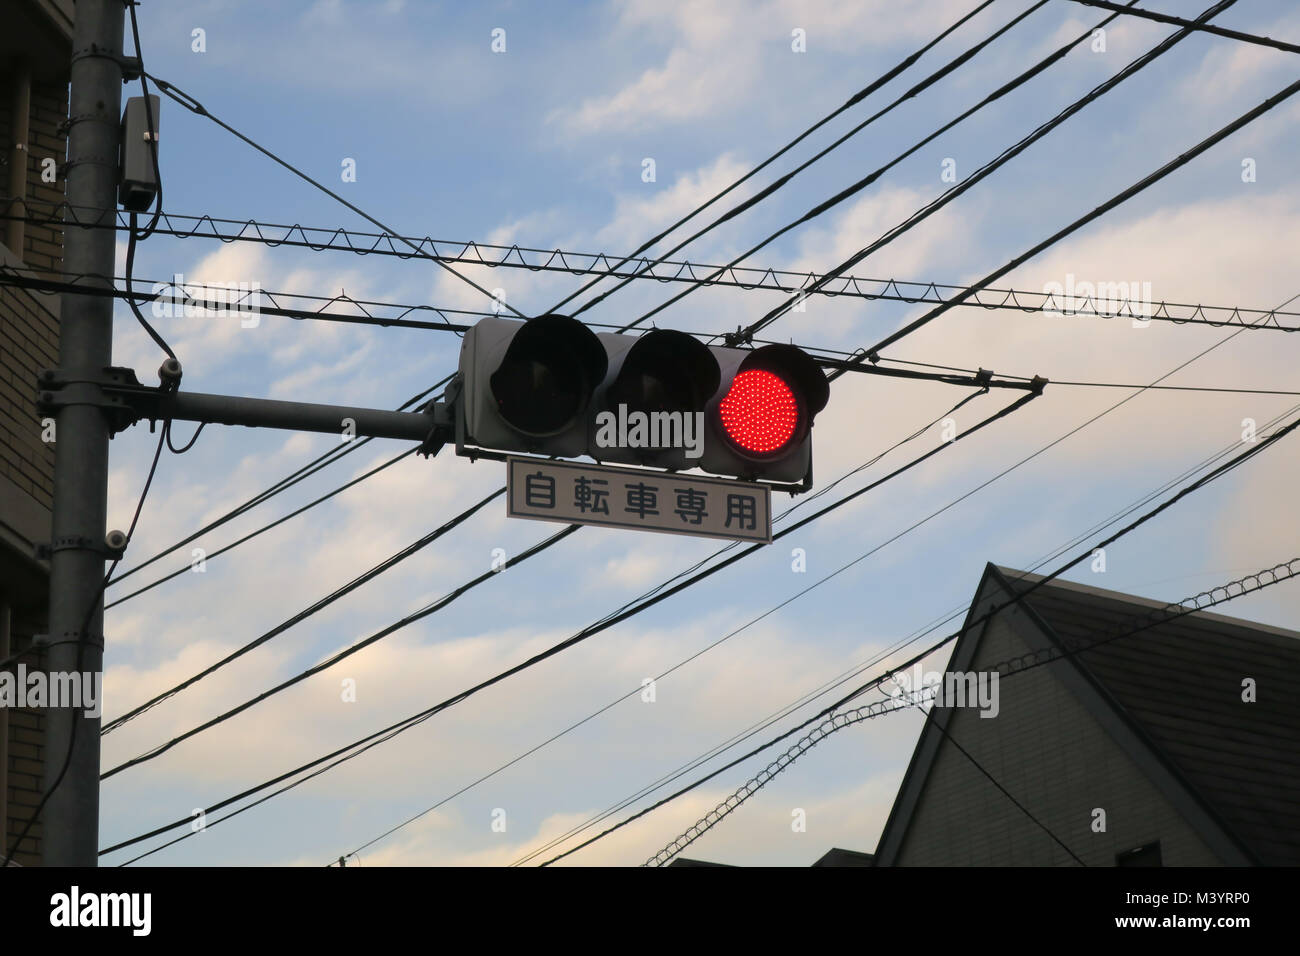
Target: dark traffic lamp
column 662, row 381
column 527, row 385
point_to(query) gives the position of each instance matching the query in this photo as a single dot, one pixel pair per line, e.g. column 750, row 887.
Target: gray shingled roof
column 1179, row 684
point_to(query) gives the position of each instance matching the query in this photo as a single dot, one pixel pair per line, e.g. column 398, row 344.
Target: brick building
column 35, row 48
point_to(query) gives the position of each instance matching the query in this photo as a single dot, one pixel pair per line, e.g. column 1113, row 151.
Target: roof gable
column 1179, row 684
column 1241, row 822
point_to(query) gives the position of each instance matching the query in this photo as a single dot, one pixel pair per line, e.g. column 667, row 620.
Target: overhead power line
column 388, row 563
column 1160, row 49
column 306, row 471
column 258, row 531
column 850, row 102
column 1084, row 555
column 382, row 736
column 359, row 746
column 194, row 106
column 1177, row 163
column 784, row 180
column 1134, row 11
column 587, row 632
column 849, row 363
column 651, row 593
column 1117, row 200
column 853, row 189
column 379, row 635
column 951, row 504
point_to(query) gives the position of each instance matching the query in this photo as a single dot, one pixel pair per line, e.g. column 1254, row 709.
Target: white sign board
column 578, row 493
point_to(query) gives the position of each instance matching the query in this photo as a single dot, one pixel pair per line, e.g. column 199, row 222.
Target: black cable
column 995, row 609
column 306, row 471
column 1154, row 177
column 1016, row 665
column 582, row 635
column 283, row 685
column 130, row 298
column 265, row 528
column 141, row 235
column 851, row 190
column 848, row 363
column 781, row 181
column 650, row 593
column 937, row 725
column 194, row 106
column 1200, row 27
column 852, row 366
column 7, row 278
column 946, row 507
column 390, row 562
column 1001, row 159
column 151, row 127
column 352, row 649
column 167, row 435
column 851, row 101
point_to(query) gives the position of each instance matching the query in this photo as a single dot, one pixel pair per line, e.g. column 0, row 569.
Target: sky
column 544, row 143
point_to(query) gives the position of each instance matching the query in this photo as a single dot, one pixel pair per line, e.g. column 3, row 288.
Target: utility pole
column 77, row 549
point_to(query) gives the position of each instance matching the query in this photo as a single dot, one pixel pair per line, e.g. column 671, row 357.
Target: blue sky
column 543, row 145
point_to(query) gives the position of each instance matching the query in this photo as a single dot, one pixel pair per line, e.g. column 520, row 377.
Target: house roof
column 1179, row 684
column 1177, row 688
column 841, row 857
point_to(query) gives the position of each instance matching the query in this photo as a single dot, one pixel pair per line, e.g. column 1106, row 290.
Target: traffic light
column 551, row 386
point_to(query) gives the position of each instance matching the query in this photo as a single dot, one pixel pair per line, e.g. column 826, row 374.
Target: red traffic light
column 759, row 412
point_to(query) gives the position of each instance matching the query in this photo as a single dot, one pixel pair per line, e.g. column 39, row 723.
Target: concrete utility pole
column 71, row 816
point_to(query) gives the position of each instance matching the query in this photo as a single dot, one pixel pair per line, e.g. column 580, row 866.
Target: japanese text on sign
column 629, row 498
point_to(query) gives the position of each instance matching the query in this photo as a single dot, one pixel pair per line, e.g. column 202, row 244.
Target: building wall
column 29, row 331
column 26, row 759
column 1060, row 763
column 29, row 342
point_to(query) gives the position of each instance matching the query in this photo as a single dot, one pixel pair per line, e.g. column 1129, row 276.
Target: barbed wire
column 749, row 278
column 1069, row 646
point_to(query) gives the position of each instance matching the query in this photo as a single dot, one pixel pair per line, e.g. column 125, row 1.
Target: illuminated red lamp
column 760, row 412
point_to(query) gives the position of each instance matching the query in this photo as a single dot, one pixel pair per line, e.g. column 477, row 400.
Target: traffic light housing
column 551, row 386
